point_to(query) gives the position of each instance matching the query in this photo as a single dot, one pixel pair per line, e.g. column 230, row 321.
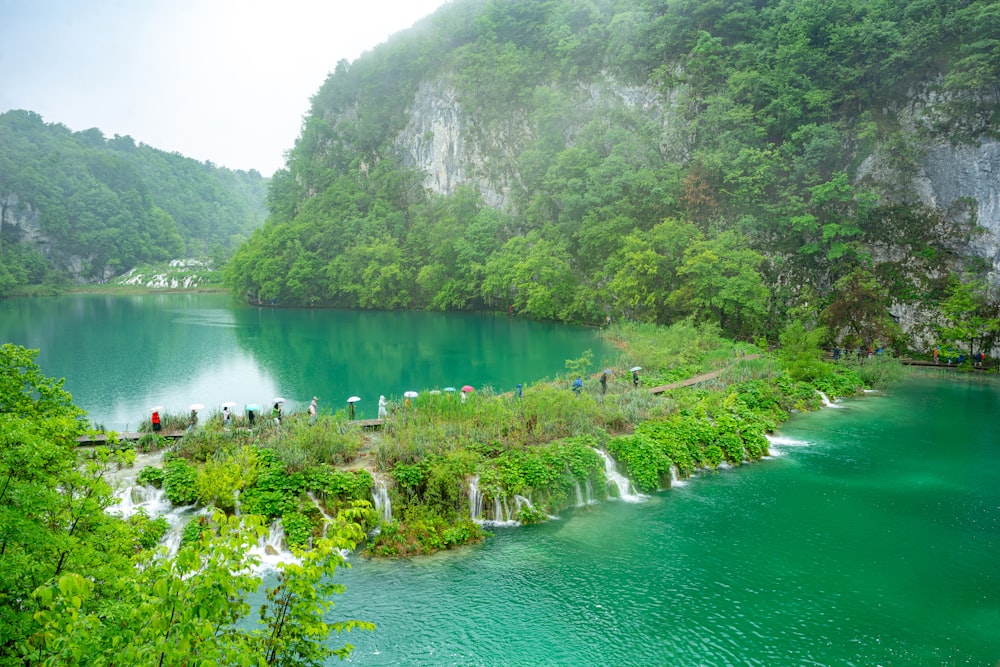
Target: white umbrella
column 435, row 392
column 197, row 406
column 156, row 408
column 229, row 404
column 635, row 368
column 354, row 399
column 411, row 394
column 279, row 400
column 449, row 389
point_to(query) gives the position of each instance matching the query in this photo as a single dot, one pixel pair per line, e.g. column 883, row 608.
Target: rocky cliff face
column 961, row 179
column 440, row 140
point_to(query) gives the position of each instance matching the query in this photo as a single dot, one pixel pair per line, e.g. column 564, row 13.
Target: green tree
column 971, row 318
column 801, row 352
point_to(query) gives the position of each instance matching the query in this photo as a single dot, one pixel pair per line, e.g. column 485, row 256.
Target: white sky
column 221, row 80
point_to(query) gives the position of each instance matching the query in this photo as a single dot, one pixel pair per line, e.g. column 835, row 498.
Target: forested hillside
column 78, row 206
column 736, row 161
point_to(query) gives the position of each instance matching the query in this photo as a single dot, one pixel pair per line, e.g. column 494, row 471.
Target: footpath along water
column 871, row 538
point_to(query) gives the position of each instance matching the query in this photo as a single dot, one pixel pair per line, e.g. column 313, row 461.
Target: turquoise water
column 121, row 355
column 872, row 538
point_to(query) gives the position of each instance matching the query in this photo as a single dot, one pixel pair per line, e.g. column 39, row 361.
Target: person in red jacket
column 156, row 420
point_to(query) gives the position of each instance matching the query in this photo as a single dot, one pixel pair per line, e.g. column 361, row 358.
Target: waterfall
column 585, row 495
column 626, row 491
column 327, row 519
column 380, row 496
column 827, row 403
column 475, row 500
column 270, row 549
column 132, row 499
column 675, row 477
column 236, row 502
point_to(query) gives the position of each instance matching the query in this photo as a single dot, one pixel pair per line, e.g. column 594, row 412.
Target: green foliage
column 180, row 482
column 193, row 608
column 151, row 476
column 801, row 354
column 112, row 202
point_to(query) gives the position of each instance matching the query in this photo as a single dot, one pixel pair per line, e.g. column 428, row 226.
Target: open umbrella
column 468, row 389
column 229, row 404
column 279, row 400
column 197, row 406
column 253, row 407
column 635, row 368
column 156, row 408
column 354, row 399
column 410, row 394
column 435, row 392
column 449, row 389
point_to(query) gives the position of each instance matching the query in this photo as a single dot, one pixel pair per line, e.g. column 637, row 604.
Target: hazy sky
column 221, row 80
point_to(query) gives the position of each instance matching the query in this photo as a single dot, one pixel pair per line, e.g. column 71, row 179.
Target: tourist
column 635, row 379
column 276, row 413
column 350, row 410
column 383, row 411
column 836, row 353
column 225, row 417
column 192, row 420
column 520, row 390
column 312, row 411
column 937, row 350
column 578, row 386
column 251, row 417
column 156, row 420
column 604, row 383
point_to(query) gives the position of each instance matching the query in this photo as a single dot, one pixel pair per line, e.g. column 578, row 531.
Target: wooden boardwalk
column 131, row 436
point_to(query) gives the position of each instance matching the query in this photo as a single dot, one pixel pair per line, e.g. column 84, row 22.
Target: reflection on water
column 120, row 355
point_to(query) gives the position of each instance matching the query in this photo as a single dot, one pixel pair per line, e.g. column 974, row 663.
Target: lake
column 121, row 355
column 870, row 537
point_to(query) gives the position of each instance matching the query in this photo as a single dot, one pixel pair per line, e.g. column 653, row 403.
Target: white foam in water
column 827, row 403
column 782, row 441
column 626, row 491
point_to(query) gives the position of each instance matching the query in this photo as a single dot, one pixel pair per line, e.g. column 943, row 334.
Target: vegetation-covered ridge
column 77, row 207
column 653, row 160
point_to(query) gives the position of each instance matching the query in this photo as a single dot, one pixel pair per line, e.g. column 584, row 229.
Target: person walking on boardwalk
column 604, row 383
column 383, row 411
column 225, row 417
column 312, row 411
column 276, row 413
column 156, row 421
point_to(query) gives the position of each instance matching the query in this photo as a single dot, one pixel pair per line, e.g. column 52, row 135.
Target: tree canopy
column 655, row 159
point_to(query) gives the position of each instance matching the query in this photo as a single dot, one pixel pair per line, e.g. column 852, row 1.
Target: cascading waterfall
column 270, row 548
column 327, row 519
column 827, row 403
column 585, row 495
column 624, row 486
column 380, row 496
column 675, row 477
column 475, row 500
column 579, row 493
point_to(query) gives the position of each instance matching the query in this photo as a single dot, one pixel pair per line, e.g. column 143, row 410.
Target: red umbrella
column 468, row 389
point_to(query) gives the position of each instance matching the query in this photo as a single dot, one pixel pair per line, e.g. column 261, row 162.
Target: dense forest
column 647, row 159
column 78, row 206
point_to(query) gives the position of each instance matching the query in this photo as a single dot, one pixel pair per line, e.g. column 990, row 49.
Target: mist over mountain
column 76, row 207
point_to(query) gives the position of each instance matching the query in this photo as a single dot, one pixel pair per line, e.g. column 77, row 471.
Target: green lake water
column 121, row 355
column 872, row 537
